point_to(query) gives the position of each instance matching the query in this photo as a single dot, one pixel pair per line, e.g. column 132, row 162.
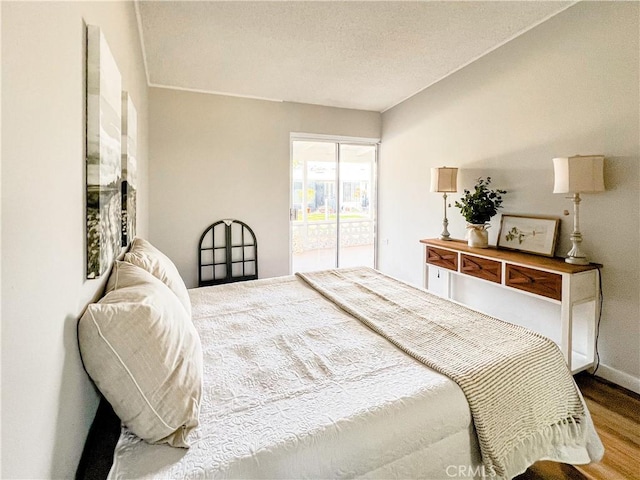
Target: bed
column 300, row 380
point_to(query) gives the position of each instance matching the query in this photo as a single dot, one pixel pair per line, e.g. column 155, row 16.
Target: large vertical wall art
column 104, row 87
column 129, row 172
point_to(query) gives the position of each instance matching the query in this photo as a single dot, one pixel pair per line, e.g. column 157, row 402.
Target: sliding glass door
column 332, row 213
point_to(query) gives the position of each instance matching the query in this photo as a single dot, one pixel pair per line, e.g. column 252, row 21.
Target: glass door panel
column 314, row 223
column 357, row 207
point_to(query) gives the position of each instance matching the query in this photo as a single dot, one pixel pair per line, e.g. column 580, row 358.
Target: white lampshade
column 444, row 179
column 578, row 174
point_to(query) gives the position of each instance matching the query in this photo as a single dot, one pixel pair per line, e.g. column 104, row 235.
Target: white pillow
column 146, row 256
column 143, row 353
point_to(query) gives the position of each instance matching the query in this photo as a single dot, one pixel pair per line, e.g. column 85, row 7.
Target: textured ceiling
column 366, row 55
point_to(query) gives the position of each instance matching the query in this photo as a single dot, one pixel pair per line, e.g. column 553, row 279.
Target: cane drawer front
column 442, row 258
column 534, row 281
column 481, row 268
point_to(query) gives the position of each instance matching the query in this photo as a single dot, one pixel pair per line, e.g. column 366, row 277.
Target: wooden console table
column 551, row 279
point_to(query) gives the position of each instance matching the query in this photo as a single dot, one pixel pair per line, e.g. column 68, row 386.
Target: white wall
column 214, row 157
column 569, row 86
column 47, row 399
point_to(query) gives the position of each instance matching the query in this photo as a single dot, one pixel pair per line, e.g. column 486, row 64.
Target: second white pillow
column 148, row 257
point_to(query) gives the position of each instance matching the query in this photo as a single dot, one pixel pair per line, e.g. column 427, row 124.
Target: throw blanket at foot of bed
column 524, row 402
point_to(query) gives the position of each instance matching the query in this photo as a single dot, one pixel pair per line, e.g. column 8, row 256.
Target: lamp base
column 445, row 235
column 575, row 256
column 577, row 260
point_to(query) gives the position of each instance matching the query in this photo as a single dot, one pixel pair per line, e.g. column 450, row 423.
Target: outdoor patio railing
column 322, row 234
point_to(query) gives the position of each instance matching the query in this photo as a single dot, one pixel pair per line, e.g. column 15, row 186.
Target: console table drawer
column 442, row 258
column 535, row 281
column 481, row 268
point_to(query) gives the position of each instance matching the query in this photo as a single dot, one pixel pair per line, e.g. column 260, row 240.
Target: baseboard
column 619, row 378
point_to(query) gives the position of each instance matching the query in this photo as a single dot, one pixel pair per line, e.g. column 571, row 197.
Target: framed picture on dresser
column 529, row 234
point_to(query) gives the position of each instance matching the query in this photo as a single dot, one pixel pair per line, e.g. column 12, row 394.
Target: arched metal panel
column 227, row 252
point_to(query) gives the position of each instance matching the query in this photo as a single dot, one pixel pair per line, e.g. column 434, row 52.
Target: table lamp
column 444, row 180
column 576, row 175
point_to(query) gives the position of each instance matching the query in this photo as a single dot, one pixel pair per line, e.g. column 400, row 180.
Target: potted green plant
column 477, row 208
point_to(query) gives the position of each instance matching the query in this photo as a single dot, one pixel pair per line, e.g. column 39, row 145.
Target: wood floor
column 616, row 415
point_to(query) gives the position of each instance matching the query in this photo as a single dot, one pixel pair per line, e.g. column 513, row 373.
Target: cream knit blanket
column 523, row 400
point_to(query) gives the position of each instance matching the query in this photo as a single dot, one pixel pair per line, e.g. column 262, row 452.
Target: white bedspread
column 523, row 400
column 296, row 388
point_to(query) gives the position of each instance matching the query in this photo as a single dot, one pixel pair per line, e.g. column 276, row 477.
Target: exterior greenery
column 479, row 206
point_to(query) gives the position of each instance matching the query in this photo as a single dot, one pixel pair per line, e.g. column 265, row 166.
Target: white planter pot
column 477, row 235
